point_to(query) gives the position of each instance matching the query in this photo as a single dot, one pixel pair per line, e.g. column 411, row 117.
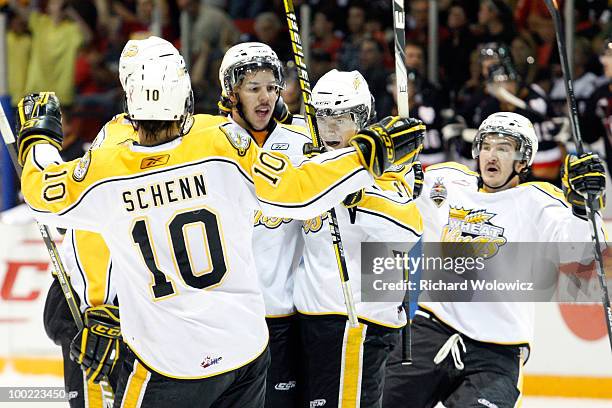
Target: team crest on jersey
column 269, row 222
column 80, row 171
column 474, row 227
column 239, row 139
column 438, row 192
column 314, row 224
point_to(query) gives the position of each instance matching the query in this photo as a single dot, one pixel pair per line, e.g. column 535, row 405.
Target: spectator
column 496, row 21
column 415, row 60
column 321, row 62
column 137, row 25
column 523, row 49
column 268, row 30
column 456, row 49
column 292, row 94
column 246, row 9
column 212, row 26
column 584, row 82
column 371, row 67
column 324, row 38
column 348, row 56
column 18, row 43
column 417, row 23
column 57, row 36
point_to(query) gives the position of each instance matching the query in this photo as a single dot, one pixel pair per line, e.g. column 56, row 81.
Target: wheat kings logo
column 474, row 227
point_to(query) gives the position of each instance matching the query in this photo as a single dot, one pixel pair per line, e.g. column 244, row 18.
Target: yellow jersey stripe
column 136, row 386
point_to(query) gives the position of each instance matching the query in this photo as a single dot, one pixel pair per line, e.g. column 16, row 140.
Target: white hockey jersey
column 85, row 255
column 178, row 219
column 277, row 241
column 387, row 213
column 529, row 213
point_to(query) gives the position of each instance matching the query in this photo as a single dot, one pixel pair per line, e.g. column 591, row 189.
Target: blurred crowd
column 493, row 54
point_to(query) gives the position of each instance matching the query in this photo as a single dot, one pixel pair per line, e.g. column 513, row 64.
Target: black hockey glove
column 39, row 120
column 393, row 140
column 96, row 346
column 583, row 177
column 418, row 179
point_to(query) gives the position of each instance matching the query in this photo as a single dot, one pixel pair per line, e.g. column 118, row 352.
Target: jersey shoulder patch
column 80, row 170
column 238, row 137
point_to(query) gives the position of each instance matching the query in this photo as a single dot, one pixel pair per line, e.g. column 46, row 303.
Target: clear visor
column 504, row 146
column 336, row 130
column 238, row 73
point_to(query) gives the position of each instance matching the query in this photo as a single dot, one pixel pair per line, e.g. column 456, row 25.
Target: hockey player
column 86, row 259
column 344, row 366
column 176, row 207
column 471, row 354
column 251, row 78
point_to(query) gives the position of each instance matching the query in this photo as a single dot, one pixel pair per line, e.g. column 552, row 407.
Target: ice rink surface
column 9, row 378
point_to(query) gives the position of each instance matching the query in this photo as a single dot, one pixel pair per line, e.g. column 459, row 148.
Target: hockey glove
column 583, row 177
column 96, row 346
column 418, row 179
column 393, row 140
column 39, row 120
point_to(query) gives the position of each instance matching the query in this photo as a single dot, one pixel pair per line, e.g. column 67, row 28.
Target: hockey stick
column 403, row 110
column 317, row 145
column 553, row 7
column 56, row 262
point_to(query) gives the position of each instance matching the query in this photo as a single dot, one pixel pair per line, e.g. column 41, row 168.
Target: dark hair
column 151, row 129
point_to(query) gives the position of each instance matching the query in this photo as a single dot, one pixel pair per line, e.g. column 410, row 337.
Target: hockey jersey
column 178, row 219
column 386, row 213
column 85, row 255
column 277, row 241
column 528, row 213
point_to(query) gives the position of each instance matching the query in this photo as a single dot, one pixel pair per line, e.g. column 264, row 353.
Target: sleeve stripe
column 110, row 180
column 107, row 300
column 396, row 222
column 318, row 197
column 551, row 196
column 298, row 133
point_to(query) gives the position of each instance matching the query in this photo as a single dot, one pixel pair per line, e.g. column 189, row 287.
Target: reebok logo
column 486, row 403
column 153, row 161
column 317, row 403
column 285, row 386
column 279, row 146
column 210, row 361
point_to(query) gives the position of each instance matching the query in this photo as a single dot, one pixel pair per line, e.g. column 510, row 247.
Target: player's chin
column 260, row 122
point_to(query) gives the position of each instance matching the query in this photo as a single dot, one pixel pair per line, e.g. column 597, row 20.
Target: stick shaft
column 298, row 55
column 401, row 73
column 553, row 7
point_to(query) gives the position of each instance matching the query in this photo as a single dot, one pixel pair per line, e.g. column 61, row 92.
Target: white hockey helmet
column 137, row 51
column 339, row 92
column 245, row 57
column 159, row 90
column 512, row 125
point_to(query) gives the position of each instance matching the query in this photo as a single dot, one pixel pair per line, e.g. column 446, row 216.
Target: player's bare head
column 343, row 105
column 251, row 78
column 505, row 147
column 159, row 99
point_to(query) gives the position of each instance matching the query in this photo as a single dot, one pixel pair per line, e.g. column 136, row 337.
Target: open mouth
column 332, row 143
column 262, row 112
column 492, row 169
